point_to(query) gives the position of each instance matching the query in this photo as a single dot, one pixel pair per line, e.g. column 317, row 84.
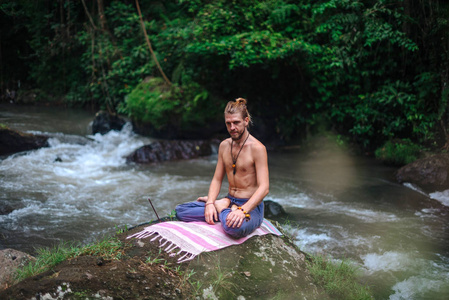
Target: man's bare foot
column 233, row 207
column 202, row 199
column 222, row 204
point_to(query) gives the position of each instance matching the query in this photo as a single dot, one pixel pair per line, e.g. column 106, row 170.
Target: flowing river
column 339, row 205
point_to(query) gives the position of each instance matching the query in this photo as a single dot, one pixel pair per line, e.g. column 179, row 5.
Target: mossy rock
column 264, row 267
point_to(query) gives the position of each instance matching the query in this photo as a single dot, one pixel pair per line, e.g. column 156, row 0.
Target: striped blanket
column 188, row 239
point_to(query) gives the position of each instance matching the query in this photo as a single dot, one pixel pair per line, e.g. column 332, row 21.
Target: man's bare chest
column 239, row 162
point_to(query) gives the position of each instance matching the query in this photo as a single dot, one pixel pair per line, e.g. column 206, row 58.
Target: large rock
column 105, row 122
column 430, row 173
column 10, row 261
column 264, row 267
column 171, row 150
column 12, row 141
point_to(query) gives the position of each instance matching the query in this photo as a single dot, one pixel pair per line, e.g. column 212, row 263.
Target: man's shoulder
column 225, row 144
column 258, row 150
column 257, row 145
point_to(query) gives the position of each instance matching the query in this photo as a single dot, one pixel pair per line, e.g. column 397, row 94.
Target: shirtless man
column 244, row 160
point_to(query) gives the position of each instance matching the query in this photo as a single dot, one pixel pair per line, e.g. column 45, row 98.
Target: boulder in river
column 264, row 267
column 430, row 173
column 273, row 210
column 5, row 209
column 105, row 122
column 12, row 141
column 171, row 150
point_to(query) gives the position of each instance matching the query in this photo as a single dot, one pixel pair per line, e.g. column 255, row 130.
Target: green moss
column 339, row 280
column 155, row 102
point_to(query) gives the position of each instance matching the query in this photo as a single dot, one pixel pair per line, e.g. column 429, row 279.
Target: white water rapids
column 346, row 207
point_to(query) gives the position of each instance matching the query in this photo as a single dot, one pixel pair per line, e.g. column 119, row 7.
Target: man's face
column 236, row 125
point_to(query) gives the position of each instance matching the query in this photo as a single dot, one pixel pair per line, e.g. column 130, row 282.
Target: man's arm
column 235, row 218
column 210, row 213
column 263, row 181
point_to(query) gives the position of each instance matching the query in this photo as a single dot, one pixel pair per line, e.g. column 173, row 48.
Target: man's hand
column 210, row 213
column 235, row 218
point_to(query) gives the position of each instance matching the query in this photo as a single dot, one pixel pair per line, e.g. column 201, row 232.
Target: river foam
column 388, row 261
column 442, row 197
column 420, row 287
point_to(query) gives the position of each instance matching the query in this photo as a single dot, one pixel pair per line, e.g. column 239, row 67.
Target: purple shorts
column 194, row 211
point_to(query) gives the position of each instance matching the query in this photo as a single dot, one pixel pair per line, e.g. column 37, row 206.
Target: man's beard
column 238, row 137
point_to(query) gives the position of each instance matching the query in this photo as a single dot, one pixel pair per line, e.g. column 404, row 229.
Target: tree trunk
column 103, row 23
column 89, row 15
column 149, row 44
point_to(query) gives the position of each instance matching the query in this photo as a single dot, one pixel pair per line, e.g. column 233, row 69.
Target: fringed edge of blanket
column 186, row 256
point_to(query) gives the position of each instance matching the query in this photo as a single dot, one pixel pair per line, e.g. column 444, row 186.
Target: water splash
column 442, row 197
column 83, row 187
column 388, row 261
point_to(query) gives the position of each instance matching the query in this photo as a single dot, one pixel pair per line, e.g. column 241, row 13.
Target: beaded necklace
column 234, row 161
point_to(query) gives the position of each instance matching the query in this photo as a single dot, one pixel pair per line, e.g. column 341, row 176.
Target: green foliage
column 364, row 44
column 398, row 152
column 373, row 70
column 346, row 53
column 338, row 279
column 114, row 61
column 395, row 110
column 154, row 102
column 54, row 62
column 161, row 105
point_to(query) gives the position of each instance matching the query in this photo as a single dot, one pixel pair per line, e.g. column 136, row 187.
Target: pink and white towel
column 189, row 239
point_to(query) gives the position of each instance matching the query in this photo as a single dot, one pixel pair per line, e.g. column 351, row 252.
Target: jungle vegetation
column 374, row 71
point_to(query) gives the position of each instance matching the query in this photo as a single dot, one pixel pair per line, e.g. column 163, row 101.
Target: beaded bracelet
column 247, row 215
column 244, row 211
